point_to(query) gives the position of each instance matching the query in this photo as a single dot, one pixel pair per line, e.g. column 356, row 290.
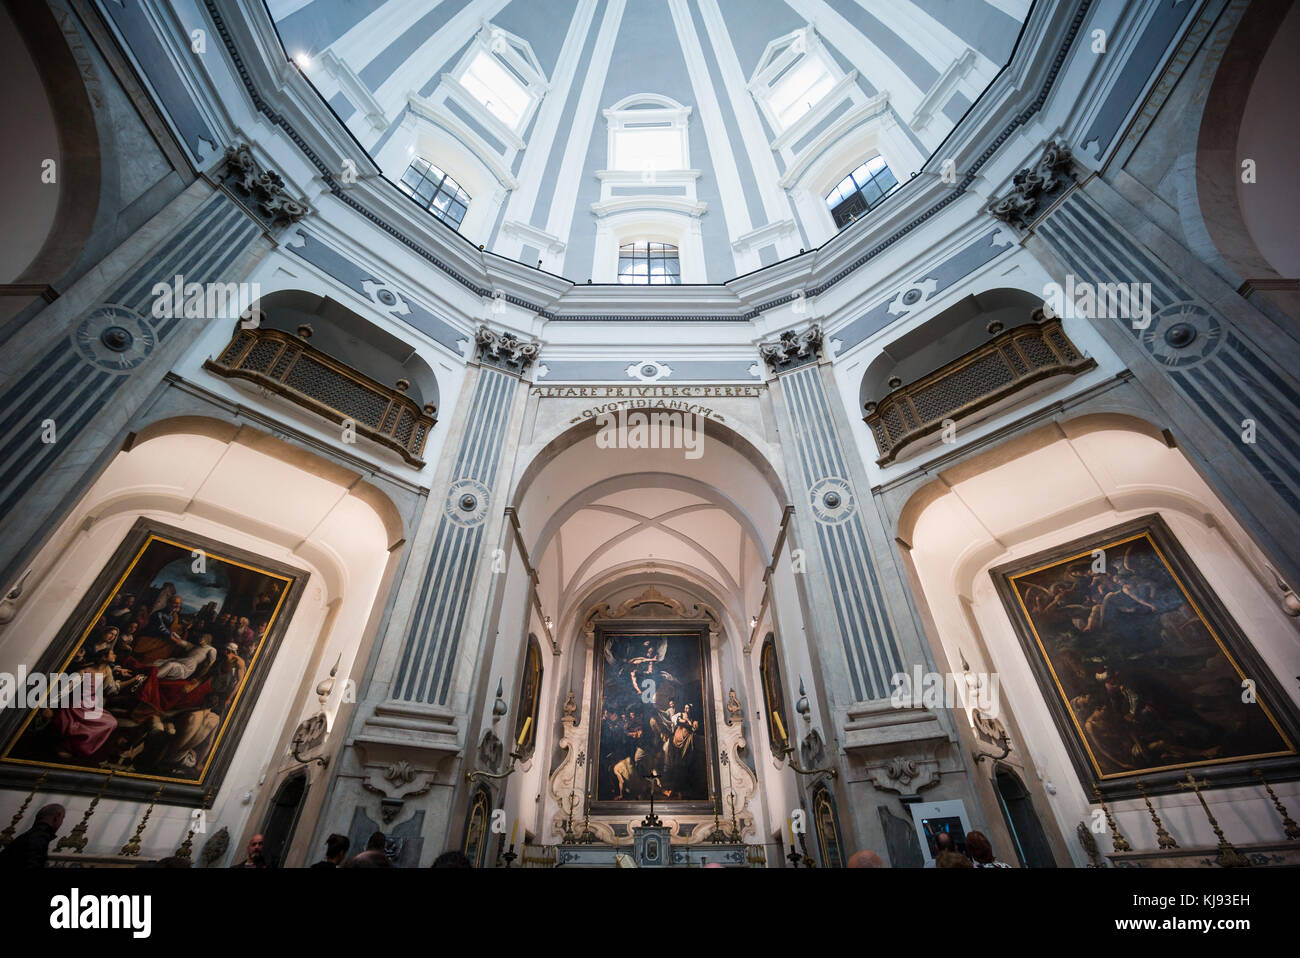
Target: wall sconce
column 787, row 751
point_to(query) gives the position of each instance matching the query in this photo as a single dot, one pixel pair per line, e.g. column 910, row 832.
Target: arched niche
column 46, row 115
column 634, row 605
column 944, row 337
column 248, row 491
column 352, row 339
column 1247, row 117
column 1061, row 483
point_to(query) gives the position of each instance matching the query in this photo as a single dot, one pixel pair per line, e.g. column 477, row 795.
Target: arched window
column 827, row 821
column 778, row 726
column 475, row 845
column 530, row 693
column 436, row 191
column 860, row 191
column 655, row 264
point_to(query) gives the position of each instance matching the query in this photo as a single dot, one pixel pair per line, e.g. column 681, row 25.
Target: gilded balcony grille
column 1004, row 365
column 289, row 367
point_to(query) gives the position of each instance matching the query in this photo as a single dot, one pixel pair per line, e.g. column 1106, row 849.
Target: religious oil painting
column 653, row 734
column 176, row 634
column 1144, row 669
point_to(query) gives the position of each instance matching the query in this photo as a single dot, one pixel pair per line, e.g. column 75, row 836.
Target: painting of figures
column 1143, row 673
column 653, row 732
column 169, row 646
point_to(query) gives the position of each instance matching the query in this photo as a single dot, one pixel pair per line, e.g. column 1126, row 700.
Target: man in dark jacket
column 32, row 847
column 336, row 850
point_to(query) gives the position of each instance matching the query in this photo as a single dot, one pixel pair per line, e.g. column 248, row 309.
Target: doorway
column 1022, row 821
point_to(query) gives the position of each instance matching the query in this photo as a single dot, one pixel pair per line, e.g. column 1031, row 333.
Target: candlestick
column 1118, row 842
column 514, row 830
column 523, row 733
column 1163, row 838
column 8, row 834
column 1290, row 827
column 76, row 839
column 776, row 718
column 1228, row 857
column 132, row 847
column 186, row 847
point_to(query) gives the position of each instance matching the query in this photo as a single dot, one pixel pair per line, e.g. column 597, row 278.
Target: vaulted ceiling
column 779, row 99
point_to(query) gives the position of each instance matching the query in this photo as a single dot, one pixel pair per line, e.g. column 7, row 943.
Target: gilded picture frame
column 689, row 677
column 1145, row 673
column 180, row 698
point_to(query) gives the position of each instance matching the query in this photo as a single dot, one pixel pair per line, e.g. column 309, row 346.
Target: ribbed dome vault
column 649, row 140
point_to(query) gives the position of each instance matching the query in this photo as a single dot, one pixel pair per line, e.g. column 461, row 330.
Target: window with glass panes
column 437, row 191
column 649, row 263
column 860, row 191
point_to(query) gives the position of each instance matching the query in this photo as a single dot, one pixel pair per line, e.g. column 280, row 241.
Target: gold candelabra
column 1118, row 842
column 1229, row 857
column 7, row 835
column 76, row 839
column 588, row 837
column 1163, row 838
column 735, row 836
column 132, row 847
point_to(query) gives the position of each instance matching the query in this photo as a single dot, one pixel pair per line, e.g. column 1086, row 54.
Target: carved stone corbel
column 395, row 783
column 261, row 190
column 1033, row 186
column 792, row 349
column 905, row 774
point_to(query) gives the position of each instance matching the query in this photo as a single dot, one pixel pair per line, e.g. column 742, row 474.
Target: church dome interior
column 662, row 434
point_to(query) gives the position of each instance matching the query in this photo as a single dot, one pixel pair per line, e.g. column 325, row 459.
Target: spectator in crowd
column 452, row 859
column 981, row 851
column 255, row 857
column 952, row 859
column 374, row 856
column 866, row 859
column 942, row 843
column 31, row 849
column 336, row 850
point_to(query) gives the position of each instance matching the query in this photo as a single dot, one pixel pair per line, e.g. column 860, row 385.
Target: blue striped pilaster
column 434, row 638
column 867, row 634
column 66, row 387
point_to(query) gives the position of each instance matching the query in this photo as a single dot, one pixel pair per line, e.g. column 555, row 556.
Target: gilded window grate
column 1009, row 362
column 289, row 367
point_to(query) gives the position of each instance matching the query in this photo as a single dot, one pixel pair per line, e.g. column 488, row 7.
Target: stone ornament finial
column 792, row 349
column 506, row 350
column 1034, row 184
